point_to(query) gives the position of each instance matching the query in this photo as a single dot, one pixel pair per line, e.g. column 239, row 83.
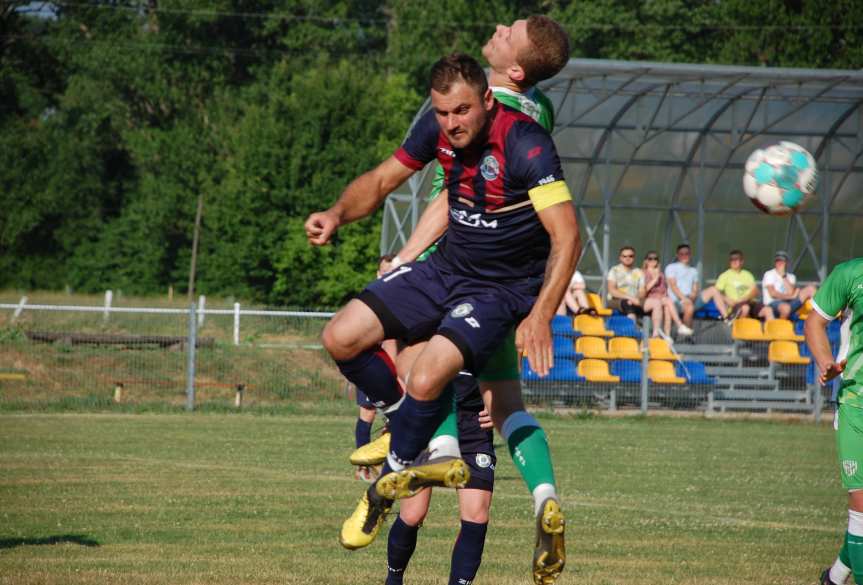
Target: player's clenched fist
column 320, row 227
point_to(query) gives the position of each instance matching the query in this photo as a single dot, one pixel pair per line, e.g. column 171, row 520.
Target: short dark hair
column 681, row 246
column 549, row 50
column 457, row 67
column 735, row 252
column 627, row 247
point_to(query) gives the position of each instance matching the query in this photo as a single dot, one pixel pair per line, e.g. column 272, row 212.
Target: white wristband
column 396, row 262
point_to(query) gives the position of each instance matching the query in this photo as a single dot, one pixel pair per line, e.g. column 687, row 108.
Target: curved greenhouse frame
column 653, row 154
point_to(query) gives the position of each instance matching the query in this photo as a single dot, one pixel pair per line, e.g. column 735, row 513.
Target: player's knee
column 475, row 514
column 423, row 385
column 339, row 341
column 411, row 516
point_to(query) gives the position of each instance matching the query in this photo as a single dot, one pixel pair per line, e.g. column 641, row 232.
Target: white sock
column 444, row 446
column 855, row 523
column 541, row 493
column 839, row 572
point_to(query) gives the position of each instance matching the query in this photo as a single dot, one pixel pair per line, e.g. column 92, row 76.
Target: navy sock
column 363, row 432
column 467, row 553
column 415, row 425
column 400, row 548
column 374, row 373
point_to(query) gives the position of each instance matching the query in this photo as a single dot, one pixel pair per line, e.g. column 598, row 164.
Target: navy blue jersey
column 495, row 189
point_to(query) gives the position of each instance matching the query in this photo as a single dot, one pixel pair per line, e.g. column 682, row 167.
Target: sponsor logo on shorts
column 849, row 466
column 463, row 310
column 489, row 168
column 483, row 460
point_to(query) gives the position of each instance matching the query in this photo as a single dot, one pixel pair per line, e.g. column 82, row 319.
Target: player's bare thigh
column 502, row 398
column 437, row 364
column 474, row 505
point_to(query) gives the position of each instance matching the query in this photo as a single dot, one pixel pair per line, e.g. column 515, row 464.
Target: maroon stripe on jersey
column 407, row 160
column 494, row 189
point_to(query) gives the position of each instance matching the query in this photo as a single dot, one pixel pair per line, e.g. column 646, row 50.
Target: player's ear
column 515, row 73
column 488, row 99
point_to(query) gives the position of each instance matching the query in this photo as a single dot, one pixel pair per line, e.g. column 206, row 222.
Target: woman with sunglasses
column 657, row 302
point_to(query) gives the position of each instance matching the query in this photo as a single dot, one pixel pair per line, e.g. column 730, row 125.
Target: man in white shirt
column 683, row 283
column 779, row 291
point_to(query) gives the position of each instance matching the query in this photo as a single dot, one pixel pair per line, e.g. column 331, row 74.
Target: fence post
column 645, row 336
column 238, row 397
column 236, row 323
column 19, row 309
column 202, row 302
column 109, row 295
column 190, row 353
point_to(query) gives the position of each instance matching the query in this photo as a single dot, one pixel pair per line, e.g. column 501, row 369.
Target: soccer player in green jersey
column 520, row 56
column 843, row 291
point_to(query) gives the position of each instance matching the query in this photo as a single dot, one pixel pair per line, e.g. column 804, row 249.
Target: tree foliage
column 115, row 116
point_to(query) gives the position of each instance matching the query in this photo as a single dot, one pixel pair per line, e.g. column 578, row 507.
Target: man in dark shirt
column 507, row 257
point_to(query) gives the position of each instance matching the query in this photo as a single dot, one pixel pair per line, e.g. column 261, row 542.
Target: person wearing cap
column 779, row 291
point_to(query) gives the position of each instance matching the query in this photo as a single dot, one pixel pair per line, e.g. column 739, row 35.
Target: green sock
column 843, row 552
column 449, row 425
column 528, row 447
column 854, row 551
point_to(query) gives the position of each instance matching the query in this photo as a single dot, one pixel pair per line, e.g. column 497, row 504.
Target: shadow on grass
column 58, row 539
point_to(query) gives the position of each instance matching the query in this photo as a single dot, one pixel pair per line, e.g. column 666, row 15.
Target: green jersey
column 843, row 290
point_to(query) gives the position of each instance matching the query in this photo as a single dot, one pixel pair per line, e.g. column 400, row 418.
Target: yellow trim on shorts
column 549, row 194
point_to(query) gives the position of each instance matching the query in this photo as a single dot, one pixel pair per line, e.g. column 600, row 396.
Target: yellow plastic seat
column 660, row 350
column 596, row 304
column 592, row 347
column 662, row 372
column 624, row 348
column 596, row 371
column 746, row 329
column 785, row 352
column 781, row 330
column 590, row 325
column 804, row 311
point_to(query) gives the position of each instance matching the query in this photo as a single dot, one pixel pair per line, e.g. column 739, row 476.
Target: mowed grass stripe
column 211, row 498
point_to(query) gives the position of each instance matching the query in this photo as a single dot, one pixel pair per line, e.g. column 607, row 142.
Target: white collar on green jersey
column 528, row 94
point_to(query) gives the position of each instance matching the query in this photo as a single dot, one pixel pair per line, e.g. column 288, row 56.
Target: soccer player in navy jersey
column 507, row 257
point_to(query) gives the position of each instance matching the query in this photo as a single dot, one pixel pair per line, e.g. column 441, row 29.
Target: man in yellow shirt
column 736, row 287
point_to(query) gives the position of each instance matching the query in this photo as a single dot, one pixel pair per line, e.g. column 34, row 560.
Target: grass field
column 243, row 499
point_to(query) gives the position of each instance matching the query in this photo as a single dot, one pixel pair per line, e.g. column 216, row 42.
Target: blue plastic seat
column 623, row 326
column 694, row 372
column 561, row 326
column 708, row 311
column 628, row 370
column 563, row 347
column 564, row 370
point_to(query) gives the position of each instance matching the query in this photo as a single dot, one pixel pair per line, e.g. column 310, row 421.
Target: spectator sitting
column 575, row 298
column 735, row 288
column 683, row 284
column 779, row 291
column 625, row 284
column 656, row 291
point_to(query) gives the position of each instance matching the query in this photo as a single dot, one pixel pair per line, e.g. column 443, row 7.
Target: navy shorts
column 363, row 401
column 420, row 299
column 475, row 443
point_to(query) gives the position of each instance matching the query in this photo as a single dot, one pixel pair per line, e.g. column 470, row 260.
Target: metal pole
column 236, row 323
column 645, row 336
column 190, row 353
column 195, row 237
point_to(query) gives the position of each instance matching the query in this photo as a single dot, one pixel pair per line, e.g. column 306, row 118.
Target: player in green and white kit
column 516, row 65
column 843, row 291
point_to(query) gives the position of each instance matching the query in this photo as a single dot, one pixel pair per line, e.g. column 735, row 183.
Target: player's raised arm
column 533, row 336
column 359, row 199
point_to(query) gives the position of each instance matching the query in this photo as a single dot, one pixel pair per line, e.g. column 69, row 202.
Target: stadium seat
column 596, row 304
column 694, row 372
column 624, row 348
column 660, row 350
column 746, row 329
column 781, row 330
column 561, row 325
column 785, row 352
column 592, row 347
column 804, row 311
column 662, row 372
column 708, row 311
column 590, row 325
column 627, row 370
column 623, row 326
column 564, row 370
column 596, row 371
column 563, row 347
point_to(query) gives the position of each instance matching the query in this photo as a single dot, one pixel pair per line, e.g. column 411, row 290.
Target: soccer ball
column 781, row 178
